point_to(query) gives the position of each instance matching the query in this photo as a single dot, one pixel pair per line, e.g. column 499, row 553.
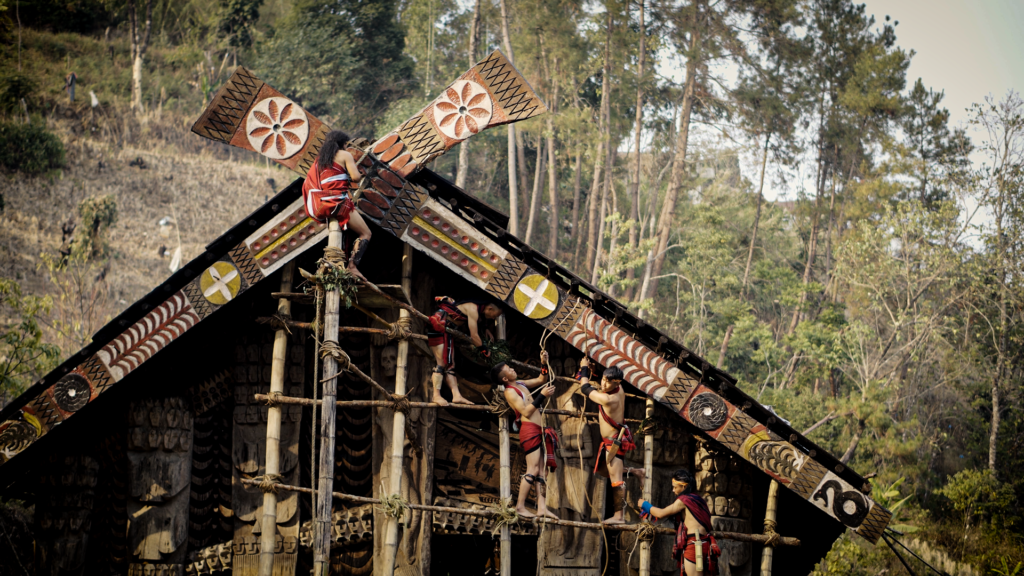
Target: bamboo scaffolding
column 341, row 329
column 737, row 536
column 272, row 469
column 423, row 405
column 328, row 413
column 769, row 528
column 645, row 545
column 398, row 427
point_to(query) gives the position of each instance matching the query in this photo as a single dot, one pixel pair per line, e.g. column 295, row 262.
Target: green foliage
column 850, row 557
column 15, row 86
column 332, row 277
column 1009, row 569
column 978, row 494
column 24, row 356
column 29, row 148
column 97, row 214
column 240, row 16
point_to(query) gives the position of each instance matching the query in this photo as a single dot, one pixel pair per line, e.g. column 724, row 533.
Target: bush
column 29, row 148
column 13, row 87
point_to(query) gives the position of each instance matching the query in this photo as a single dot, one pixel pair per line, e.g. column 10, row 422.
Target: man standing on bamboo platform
column 693, row 524
column 616, row 437
column 538, row 443
column 449, row 312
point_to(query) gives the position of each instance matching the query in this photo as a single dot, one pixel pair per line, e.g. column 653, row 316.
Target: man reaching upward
column 527, row 406
column 615, row 435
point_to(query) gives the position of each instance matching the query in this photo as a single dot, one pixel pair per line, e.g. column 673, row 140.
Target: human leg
column 453, row 383
column 528, row 481
column 618, row 489
column 437, row 377
column 542, row 495
column 358, row 226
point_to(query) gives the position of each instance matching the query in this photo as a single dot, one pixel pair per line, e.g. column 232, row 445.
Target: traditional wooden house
column 188, row 436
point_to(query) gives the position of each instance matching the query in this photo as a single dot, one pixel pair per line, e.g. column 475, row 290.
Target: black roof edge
column 137, row 310
column 650, row 336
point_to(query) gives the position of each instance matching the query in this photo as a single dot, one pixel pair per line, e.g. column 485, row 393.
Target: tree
column 474, row 33
column 513, row 192
column 24, row 356
column 139, row 43
column 238, row 20
column 925, row 127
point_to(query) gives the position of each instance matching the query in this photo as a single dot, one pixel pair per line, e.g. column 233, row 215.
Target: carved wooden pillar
column 64, row 516
column 160, row 471
column 724, row 482
column 248, row 456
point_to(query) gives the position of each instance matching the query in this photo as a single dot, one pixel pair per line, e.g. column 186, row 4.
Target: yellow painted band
column 455, row 245
column 284, row 237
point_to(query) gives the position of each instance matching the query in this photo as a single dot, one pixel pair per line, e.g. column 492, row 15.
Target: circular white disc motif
column 277, row 128
column 463, row 109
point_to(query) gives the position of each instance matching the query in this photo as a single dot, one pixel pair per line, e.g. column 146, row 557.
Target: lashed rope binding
column 505, row 514
column 277, row 322
column 273, row 399
column 399, row 329
column 394, row 505
column 332, row 349
column 769, row 531
column 269, row 482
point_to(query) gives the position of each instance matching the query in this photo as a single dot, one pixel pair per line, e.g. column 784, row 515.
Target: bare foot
column 639, row 473
column 524, row 513
column 545, row 513
column 355, row 272
column 461, row 400
column 437, row 399
column 617, row 519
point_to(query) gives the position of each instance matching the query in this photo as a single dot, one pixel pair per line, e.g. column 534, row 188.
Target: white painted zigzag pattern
column 148, row 336
column 610, row 346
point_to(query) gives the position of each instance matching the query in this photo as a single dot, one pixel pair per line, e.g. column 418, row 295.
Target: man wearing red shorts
column 449, row 312
column 538, row 443
column 326, row 193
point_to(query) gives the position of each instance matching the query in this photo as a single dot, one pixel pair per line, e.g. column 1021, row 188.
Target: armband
column 587, row 389
column 646, row 508
column 544, row 371
column 584, row 372
column 539, row 401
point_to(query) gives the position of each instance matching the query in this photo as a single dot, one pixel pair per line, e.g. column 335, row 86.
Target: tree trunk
column 725, row 346
column 552, row 168
column 634, row 207
column 537, row 186
column 597, row 228
column 474, row 33
column 667, row 219
column 853, row 443
column 524, row 178
column 576, row 209
column 513, row 192
column 139, row 43
column 757, row 220
column 605, row 205
column 595, row 189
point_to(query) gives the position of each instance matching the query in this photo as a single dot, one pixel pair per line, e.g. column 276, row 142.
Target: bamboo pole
column 398, row 427
column 769, row 528
column 505, row 472
column 341, row 329
column 272, row 469
column 328, row 413
column 645, row 546
column 737, row 536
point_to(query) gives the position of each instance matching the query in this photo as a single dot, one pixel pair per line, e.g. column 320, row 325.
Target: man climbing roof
column 537, row 441
column 469, row 313
column 616, row 436
column 326, row 193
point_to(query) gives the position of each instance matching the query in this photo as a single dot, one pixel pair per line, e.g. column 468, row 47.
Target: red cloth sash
column 711, row 552
column 685, row 544
column 530, row 436
column 325, row 193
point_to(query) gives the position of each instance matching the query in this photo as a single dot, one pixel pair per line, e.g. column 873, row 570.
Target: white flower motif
column 463, row 109
column 277, row 128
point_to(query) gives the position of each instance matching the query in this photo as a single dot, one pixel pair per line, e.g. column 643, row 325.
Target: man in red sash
column 616, row 437
column 326, row 193
column 693, row 524
column 470, row 313
column 538, row 443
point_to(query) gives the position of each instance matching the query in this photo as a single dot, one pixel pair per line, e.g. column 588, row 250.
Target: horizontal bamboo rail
column 341, row 329
column 737, row 536
column 427, row 405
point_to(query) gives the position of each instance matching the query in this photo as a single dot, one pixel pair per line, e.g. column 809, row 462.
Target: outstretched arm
column 670, row 510
column 588, row 389
column 543, row 378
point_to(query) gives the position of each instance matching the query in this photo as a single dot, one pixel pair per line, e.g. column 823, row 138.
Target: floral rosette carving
column 463, row 109
column 277, row 128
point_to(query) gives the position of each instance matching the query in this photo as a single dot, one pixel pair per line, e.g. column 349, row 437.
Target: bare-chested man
column 693, row 522
column 449, row 311
column 611, row 401
column 533, row 435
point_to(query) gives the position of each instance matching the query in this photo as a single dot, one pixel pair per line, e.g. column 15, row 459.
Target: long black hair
column 333, row 142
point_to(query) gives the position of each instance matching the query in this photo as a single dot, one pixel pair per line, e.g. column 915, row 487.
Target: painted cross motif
column 220, row 283
column 536, row 297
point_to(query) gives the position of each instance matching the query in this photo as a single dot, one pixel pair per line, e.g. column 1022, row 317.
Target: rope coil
column 332, row 349
column 645, row 531
column 505, row 514
column 269, row 482
column 399, row 330
column 498, row 403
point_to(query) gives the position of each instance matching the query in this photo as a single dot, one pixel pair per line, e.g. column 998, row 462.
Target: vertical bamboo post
column 505, row 476
column 769, row 528
column 645, row 547
column 268, row 534
column 398, row 428
column 328, row 412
